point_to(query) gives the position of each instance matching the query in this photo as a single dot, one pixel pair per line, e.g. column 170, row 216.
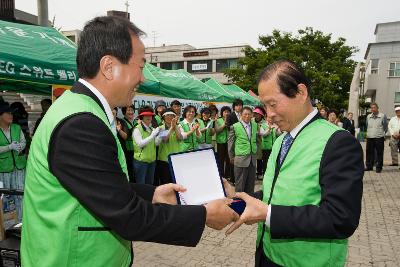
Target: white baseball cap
column 397, row 108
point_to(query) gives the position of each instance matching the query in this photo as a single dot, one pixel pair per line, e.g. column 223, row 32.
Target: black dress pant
column 262, row 163
column 375, row 147
column 224, row 164
column 163, row 173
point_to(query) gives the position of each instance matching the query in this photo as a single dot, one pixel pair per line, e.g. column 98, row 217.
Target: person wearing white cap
column 168, row 142
column 394, row 130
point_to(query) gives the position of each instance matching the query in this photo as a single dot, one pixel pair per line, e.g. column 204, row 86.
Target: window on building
column 374, row 66
column 172, row 65
column 230, row 63
column 397, row 97
column 154, row 64
column 394, row 69
column 199, row 66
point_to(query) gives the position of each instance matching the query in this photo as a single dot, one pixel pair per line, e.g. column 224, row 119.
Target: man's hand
column 219, row 214
column 255, row 211
column 229, row 189
column 167, row 193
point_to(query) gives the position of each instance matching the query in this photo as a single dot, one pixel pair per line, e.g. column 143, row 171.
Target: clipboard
column 197, row 171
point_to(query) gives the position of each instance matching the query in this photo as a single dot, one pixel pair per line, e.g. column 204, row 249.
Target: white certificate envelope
column 197, row 171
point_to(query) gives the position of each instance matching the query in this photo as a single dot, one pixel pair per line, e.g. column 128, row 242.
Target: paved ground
column 375, row 243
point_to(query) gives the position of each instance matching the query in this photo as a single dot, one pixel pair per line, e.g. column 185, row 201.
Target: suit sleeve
column 231, row 143
column 83, row 157
column 337, row 216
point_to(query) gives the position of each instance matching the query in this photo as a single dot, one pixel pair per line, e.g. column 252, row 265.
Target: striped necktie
column 287, row 142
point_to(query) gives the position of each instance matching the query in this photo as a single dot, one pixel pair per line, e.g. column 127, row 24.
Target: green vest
column 11, row 160
column 190, row 143
column 158, row 120
column 129, row 140
column 58, row 230
column 171, row 146
column 222, row 137
column 243, row 144
column 205, row 137
column 297, row 184
column 148, row 152
column 268, row 141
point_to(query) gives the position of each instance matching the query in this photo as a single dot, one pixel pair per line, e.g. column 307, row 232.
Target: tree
column 327, row 63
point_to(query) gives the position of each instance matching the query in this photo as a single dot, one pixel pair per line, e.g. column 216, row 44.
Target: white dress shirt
column 394, row 125
column 293, row 133
column 104, row 102
column 247, row 126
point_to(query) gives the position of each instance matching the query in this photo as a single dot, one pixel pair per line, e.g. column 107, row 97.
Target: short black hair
column 333, row 111
column 205, row 110
column 374, row 104
column 225, row 108
column 237, row 102
column 106, row 35
column 123, row 109
column 176, row 102
column 247, row 108
column 187, row 108
column 288, row 76
column 213, row 107
column 45, row 101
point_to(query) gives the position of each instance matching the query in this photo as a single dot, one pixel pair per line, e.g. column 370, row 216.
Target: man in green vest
column 242, row 149
column 79, row 208
column 310, row 202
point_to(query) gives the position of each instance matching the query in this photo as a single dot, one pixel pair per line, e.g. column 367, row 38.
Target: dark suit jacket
column 337, row 216
column 83, row 157
column 232, row 119
column 349, row 125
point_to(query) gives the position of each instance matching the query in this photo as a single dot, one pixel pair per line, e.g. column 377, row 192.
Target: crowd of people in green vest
column 15, row 138
column 149, row 138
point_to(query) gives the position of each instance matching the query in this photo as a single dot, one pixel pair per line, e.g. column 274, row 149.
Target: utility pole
column 154, row 36
column 127, row 9
column 43, row 13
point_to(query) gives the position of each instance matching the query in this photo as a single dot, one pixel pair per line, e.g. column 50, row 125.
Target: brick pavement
column 375, row 243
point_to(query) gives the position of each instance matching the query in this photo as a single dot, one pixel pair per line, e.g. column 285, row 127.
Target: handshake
column 219, row 213
column 15, row 146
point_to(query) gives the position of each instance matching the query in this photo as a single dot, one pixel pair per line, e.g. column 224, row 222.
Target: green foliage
column 326, row 62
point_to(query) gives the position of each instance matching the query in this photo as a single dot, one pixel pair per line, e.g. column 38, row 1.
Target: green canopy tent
column 178, row 84
column 33, row 58
column 242, row 94
column 233, row 91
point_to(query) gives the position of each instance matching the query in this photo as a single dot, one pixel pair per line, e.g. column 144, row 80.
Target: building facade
column 202, row 63
column 382, row 68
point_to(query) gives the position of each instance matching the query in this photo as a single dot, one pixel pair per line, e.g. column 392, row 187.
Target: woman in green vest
column 168, row 142
column 160, row 108
column 126, row 132
column 144, row 135
column 189, row 128
column 221, row 130
column 263, row 132
column 206, row 128
column 12, row 161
